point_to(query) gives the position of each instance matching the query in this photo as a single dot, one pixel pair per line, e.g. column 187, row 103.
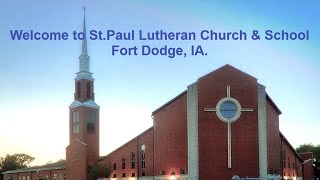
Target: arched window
column 143, row 147
column 114, row 166
column 78, row 90
column 143, row 156
column 75, row 122
column 88, row 90
column 91, row 122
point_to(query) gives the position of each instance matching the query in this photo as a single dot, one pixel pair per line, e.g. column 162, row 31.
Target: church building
column 223, row 126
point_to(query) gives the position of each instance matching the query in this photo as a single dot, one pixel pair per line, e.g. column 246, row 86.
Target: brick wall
column 170, row 137
column 213, row 148
column 83, row 90
column 37, row 174
column 91, row 139
column 273, row 140
column 291, row 162
column 146, row 138
column 76, row 161
column 124, row 153
column 307, row 167
column 130, row 152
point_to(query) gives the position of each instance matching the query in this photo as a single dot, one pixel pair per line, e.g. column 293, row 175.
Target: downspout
column 153, row 130
column 281, row 157
column 302, row 170
column 137, row 158
column 153, row 156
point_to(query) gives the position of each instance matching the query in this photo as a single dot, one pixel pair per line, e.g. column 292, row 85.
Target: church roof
column 60, row 165
column 103, row 157
column 273, row 104
column 226, row 67
column 77, row 140
column 290, row 146
column 89, row 103
column 172, row 100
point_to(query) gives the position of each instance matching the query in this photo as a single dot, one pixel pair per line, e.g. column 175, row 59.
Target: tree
column 15, row 161
column 98, row 171
column 316, row 154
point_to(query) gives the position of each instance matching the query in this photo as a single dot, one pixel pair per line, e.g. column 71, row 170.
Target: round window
column 228, row 109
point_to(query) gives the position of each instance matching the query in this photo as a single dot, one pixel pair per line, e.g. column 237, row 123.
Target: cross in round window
column 228, row 109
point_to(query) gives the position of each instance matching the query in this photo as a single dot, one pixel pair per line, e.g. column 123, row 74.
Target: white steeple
column 84, row 59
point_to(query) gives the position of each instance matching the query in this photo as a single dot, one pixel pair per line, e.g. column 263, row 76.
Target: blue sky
column 37, row 76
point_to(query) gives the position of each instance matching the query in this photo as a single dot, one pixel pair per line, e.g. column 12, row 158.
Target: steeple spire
column 84, row 40
column 84, row 59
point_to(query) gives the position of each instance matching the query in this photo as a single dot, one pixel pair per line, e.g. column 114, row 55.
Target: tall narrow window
column 91, row 120
column 75, row 122
column 78, row 90
column 114, row 166
column 143, row 164
column 143, row 151
column 284, row 159
column 88, row 90
column 133, row 158
column 123, row 163
column 143, row 156
column 61, row 176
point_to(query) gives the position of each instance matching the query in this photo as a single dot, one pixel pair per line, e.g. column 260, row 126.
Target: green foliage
column 15, row 161
column 98, row 171
column 316, row 154
column 310, row 148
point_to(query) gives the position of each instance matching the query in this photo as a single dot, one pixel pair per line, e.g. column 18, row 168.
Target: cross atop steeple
column 84, row 10
column 84, row 59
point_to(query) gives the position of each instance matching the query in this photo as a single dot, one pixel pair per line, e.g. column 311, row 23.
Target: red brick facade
column 161, row 152
column 273, row 139
column 170, row 134
column 291, row 161
column 129, row 160
column 170, row 138
column 308, row 165
column 81, row 92
column 91, row 139
column 31, row 175
column 213, row 132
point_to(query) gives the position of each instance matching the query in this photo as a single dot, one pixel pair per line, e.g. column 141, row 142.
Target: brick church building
column 223, row 126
